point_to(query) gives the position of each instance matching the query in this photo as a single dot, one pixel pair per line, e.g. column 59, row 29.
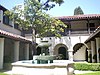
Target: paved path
column 76, row 72
column 82, row 72
column 8, row 72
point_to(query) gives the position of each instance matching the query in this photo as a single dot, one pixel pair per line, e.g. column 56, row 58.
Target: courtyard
column 73, row 40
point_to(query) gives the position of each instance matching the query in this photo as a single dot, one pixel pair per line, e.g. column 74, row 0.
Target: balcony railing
column 79, row 31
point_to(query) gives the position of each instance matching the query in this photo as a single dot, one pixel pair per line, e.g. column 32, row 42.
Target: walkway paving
column 8, row 72
column 82, row 72
column 76, row 72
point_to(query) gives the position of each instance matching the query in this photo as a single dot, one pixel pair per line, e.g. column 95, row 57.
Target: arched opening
column 80, row 52
column 61, row 49
column 38, row 50
column 77, row 47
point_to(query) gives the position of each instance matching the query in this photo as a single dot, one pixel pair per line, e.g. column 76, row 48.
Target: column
column 70, row 54
column 16, row 50
column 1, row 52
column 89, row 55
column 27, row 51
column 52, row 42
column 69, row 31
column 93, row 50
column 97, row 47
column 88, row 26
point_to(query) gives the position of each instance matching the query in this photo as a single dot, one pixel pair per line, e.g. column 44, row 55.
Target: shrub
column 60, row 57
column 87, row 66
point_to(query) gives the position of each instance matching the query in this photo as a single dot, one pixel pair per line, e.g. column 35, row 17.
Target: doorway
column 38, row 50
column 62, row 50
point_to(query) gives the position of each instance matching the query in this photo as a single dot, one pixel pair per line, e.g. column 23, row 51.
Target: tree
column 33, row 15
column 78, row 11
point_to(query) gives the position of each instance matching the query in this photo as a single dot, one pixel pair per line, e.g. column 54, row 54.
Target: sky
column 66, row 9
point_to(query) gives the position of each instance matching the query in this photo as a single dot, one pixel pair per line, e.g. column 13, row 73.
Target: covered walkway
column 13, row 48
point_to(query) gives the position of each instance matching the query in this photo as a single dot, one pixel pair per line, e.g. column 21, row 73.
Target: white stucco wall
column 66, row 40
column 28, row 36
column 6, row 27
column 9, row 29
column 72, row 39
column 78, row 39
column 80, row 55
column 1, row 52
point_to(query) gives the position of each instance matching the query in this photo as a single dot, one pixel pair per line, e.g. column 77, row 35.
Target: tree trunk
column 33, row 41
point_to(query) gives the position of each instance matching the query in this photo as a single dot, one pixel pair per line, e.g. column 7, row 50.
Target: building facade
column 71, row 45
column 13, row 46
column 93, row 43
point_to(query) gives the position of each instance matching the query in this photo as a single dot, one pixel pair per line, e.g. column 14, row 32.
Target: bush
column 60, row 57
column 87, row 66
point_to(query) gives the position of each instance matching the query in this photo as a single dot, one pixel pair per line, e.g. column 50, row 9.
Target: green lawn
column 93, row 73
column 1, row 73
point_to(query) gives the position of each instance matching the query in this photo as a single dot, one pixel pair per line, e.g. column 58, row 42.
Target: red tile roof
column 13, row 36
column 76, row 17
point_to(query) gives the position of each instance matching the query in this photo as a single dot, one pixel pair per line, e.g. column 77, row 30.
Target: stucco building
column 93, row 43
column 13, row 46
column 71, row 44
column 79, row 42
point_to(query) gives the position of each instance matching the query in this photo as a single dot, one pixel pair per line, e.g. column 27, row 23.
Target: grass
column 93, row 73
column 1, row 73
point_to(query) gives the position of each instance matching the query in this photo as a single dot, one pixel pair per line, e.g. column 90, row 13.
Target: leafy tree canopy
column 33, row 14
column 78, row 11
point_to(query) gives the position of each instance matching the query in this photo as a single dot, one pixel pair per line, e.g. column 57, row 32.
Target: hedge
column 87, row 66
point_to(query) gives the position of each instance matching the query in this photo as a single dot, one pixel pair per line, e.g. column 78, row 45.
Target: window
column 6, row 20
column 91, row 26
column 16, row 26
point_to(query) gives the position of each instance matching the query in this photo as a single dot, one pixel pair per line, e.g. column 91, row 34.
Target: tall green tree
column 33, row 14
column 78, row 11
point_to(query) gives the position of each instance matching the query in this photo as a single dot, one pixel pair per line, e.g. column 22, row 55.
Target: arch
column 38, row 50
column 61, row 49
column 80, row 52
column 79, row 45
